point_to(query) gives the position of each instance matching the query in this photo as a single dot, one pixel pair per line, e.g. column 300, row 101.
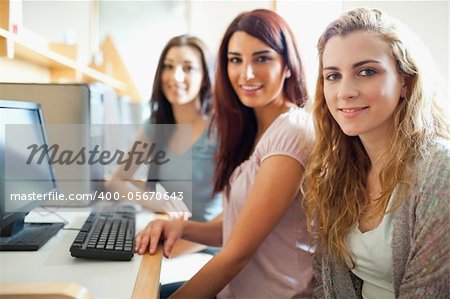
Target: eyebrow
column 184, row 61
column 355, row 65
column 254, row 54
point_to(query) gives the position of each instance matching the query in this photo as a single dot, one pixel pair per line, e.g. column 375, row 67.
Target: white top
column 372, row 252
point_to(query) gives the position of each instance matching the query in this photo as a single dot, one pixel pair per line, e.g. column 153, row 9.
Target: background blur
column 139, row 30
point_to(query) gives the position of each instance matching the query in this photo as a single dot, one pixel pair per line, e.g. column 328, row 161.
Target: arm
column 184, row 247
column 207, row 233
column 210, row 234
column 427, row 269
column 276, row 184
column 318, row 291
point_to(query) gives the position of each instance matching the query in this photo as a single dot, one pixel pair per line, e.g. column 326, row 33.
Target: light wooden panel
column 147, row 282
column 4, row 23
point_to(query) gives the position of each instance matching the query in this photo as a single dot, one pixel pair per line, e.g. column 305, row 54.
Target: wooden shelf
column 114, row 66
column 21, row 48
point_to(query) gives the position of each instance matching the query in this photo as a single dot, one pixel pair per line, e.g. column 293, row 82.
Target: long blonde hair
column 336, row 177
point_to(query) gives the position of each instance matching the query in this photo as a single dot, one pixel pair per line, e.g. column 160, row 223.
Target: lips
column 176, row 89
column 250, row 89
column 351, row 110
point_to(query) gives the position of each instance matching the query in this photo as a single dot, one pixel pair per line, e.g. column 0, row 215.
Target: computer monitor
column 19, row 177
column 87, row 105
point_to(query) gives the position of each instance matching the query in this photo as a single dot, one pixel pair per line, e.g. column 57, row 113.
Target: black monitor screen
column 21, row 125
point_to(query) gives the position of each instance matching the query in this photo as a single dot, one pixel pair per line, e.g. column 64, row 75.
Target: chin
column 172, row 100
column 352, row 132
column 250, row 103
column 179, row 101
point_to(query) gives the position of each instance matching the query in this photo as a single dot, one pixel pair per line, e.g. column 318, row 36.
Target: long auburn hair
column 336, row 187
column 236, row 124
column 160, row 107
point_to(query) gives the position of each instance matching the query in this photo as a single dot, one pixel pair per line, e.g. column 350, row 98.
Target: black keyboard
column 107, row 234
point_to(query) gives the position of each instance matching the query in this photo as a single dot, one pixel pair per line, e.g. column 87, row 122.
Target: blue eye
column 367, row 72
column 332, row 77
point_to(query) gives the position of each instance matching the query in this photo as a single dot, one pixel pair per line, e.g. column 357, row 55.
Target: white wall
column 429, row 20
column 140, row 30
column 307, row 20
column 61, row 21
column 209, row 19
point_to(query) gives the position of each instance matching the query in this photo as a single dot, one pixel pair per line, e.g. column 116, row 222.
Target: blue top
column 198, row 176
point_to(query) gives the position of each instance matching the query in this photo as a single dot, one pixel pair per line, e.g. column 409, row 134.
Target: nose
column 348, row 89
column 248, row 71
column 179, row 75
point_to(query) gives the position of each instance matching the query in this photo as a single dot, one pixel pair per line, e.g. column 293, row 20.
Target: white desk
column 53, row 262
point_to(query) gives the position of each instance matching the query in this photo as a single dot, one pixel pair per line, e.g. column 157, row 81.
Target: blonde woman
column 378, row 182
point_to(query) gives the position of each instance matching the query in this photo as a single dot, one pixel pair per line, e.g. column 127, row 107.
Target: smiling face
column 255, row 70
column 362, row 86
column 182, row 75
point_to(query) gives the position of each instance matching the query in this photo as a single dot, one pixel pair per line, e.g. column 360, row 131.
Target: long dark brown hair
column 160, row 107
column 236, row 124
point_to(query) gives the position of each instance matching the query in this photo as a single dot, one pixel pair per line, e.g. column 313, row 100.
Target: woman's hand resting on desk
column 168, row 231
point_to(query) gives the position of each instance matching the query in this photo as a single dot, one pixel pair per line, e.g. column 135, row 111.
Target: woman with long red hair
column 264, row 142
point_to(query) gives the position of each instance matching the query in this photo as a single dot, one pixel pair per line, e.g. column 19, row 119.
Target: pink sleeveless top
column 281, row 266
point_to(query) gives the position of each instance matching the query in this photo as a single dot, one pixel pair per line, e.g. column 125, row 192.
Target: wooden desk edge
column 147, row 281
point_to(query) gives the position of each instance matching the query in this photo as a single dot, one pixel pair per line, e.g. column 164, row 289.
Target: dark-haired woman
column 264, row 141
column 181, row 95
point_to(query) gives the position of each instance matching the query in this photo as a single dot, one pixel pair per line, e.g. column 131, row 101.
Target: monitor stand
column 21, row 236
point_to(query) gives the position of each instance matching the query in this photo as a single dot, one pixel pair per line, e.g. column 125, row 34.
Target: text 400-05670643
column 147, row 195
